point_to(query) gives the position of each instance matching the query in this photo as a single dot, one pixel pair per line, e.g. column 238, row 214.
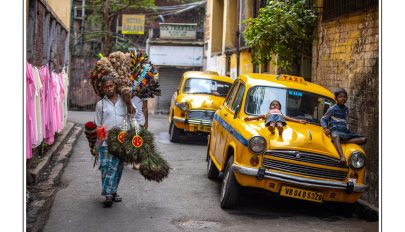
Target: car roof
column 281, row 80
column 207, row 74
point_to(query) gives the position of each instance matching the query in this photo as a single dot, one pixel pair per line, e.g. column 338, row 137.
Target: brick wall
column 345, row 54
column 40, row 36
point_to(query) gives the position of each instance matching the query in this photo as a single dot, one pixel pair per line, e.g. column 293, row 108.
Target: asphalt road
column 186, row 201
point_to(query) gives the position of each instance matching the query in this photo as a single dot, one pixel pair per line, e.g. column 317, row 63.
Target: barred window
column 335, row 8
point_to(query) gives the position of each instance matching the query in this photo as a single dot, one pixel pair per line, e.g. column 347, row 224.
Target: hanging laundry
column 37, row 105
column 61, row 100
column 30, row 110
column 46, row 80
column 54, row 101
column 65, row 103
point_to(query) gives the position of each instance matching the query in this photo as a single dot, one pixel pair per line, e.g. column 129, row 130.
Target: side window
column 231, row 93
column 238, row 99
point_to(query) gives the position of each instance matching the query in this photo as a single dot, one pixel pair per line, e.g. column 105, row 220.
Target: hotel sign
column 133, row 24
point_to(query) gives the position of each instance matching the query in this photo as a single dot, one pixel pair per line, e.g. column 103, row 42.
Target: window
column 238, row 99
column 335, row 8
column 294, row 103
column 231, row 94
column 206, row 86
column 259, row 98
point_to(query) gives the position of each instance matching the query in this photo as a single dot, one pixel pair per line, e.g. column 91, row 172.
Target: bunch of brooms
column 152, row 165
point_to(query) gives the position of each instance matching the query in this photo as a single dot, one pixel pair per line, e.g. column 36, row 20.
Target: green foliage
column 98, row 12
column 284, row 28
column 120, row 46
column 96, row 8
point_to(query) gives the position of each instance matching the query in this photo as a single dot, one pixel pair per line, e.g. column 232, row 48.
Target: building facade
column 47, row 72
column 224, row 46
column 176, row 50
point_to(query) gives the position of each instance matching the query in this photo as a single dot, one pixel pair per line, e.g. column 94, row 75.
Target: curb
column 44, row 192
column 41, row 167
column 368, row 211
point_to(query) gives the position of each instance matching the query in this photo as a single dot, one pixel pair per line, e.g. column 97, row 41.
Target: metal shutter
column 169, row 78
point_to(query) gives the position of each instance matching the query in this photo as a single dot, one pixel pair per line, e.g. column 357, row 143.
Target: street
column 186, row 201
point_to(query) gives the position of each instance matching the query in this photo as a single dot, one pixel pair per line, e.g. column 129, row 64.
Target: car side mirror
column 177, row 91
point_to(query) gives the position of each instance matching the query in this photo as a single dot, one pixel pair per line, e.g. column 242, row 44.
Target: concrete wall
column 62, row 9
column 230, row 26
column 216, row 26
column 345, row 54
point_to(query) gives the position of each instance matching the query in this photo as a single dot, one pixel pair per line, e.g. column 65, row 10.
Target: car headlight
column 183, row 106
column 357, row 160
column 257, row 144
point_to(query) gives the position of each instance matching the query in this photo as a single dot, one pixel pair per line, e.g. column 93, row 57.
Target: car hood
column 296, row 136
column 200, row 101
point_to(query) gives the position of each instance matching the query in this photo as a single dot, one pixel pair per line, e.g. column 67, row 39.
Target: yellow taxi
column 193, row 105
column 300, row 163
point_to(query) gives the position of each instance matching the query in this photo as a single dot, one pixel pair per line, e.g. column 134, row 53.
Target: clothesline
column 46, row 105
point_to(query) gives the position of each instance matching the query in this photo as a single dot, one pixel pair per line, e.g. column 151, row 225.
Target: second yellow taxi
column 193, row 105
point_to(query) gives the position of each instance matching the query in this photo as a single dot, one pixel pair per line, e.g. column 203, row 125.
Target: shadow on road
column 262, row 205
column 193, row 139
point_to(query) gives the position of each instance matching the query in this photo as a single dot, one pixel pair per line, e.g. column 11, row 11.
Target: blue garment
column 111, row 171
column 335, row 117
column 275, row 118
column 336, row 120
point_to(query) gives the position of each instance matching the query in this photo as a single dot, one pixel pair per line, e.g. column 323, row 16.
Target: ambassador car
column 300, row 163
column 198, row 96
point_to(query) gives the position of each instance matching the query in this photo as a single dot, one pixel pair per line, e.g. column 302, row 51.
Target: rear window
column 206, row 86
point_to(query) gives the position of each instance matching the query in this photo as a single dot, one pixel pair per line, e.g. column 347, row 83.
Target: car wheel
column 212, row 171
column 174, row 133
column 208, row 148
column 230, row 188
column 347, row 209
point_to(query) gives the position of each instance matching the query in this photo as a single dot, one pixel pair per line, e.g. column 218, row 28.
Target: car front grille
column 200, row 117
column 302, row 168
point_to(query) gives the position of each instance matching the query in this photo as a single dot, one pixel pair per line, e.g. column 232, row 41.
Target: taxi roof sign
column 295, row 79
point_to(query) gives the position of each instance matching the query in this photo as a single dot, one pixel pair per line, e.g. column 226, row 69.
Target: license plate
column 301, row 194
column 204, row 128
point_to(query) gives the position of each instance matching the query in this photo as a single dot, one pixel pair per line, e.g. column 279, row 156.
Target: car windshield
column 294, row 103
column 206, row 86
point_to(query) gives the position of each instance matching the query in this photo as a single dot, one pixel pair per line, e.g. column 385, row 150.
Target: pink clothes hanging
column 48, row 108
column 61, row 100
column 29, row 113
column 54, row 97
column 38, row 112
column 43, row 92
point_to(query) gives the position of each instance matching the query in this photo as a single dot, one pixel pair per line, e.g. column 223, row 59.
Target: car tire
column 174, row 133
column 229, row 188
column 212, row 171
column 208, row 148
column 347, row 209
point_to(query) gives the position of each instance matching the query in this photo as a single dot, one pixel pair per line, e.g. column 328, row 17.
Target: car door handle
column 225, row 114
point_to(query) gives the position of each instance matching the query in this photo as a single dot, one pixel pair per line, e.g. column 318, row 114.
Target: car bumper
column 301, row 181
column 193, row 125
